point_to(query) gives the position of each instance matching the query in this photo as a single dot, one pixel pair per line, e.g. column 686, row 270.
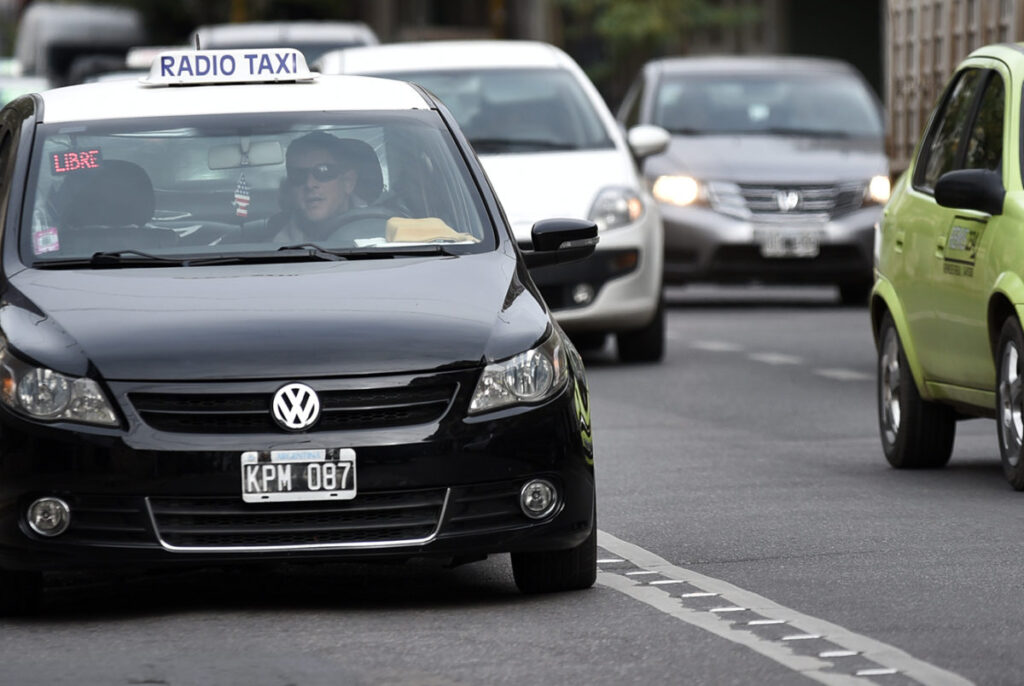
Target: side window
column 631, row 103
column 941, row 147
column 985, row 144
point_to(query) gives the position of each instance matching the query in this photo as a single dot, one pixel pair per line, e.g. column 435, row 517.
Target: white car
column 551, row 148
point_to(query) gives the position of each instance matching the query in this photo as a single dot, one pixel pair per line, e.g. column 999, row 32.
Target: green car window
column 985, row 145
column 940, row 150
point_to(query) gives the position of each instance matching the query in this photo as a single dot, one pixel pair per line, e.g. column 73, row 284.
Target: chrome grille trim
column 360, row 545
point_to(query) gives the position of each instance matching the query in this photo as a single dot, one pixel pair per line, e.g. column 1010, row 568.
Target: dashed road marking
column 871, row 657
column 844, row 375
column 717, row 346
column 775, row 358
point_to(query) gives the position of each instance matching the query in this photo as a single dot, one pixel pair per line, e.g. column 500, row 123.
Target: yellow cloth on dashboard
column 422, row 230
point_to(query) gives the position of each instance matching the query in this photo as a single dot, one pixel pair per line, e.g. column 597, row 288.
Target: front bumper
column 704, row 245
column 624, row 273
column 149, row 498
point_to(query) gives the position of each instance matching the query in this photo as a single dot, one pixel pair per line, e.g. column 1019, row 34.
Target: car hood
column 771, row 159
column 273, row 321
column 535, row 186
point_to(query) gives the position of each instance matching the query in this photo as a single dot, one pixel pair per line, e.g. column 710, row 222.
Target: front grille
column 486, row 508
column 251, row 412
column 762, row 201
column 217, row 522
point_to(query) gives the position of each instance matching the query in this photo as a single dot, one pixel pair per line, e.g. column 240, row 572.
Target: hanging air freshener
column 241, row 201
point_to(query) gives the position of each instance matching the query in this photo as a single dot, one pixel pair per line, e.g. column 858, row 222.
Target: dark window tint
column 942, row 146
column 985, row 145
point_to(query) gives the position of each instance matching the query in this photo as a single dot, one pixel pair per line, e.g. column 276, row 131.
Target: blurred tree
column 613, row 38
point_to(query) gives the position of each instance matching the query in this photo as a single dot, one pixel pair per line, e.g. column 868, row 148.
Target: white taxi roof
column 132, row 99
column 442, row 55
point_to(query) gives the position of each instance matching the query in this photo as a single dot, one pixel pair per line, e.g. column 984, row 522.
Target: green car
column 948, row 299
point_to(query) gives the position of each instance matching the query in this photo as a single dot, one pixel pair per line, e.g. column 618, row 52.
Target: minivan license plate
column 788, row 243
column 283, row 475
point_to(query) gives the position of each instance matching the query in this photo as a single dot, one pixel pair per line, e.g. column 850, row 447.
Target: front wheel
column 916, row 434
column 558, row 570
column 1010, row 402
column 646, row 344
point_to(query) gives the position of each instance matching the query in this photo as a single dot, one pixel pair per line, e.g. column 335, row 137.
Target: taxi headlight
column 676, row 190
column 615, row 207
column 45, row 394
column 878, row 191
column 529, row 377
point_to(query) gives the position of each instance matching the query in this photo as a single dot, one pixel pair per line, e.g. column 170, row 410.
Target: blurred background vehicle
column 61, row 42
column 776, row 171
column 552, row 149
column 312, row 38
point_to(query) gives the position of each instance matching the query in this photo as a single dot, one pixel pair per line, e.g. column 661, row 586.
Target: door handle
column 899, row 241
column 940, row 246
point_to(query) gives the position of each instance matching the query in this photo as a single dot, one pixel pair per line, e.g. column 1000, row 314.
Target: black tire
column 646, row 344
column 574, row 569
column 916, row 434
column 855, row 293
column 1010, row 402
column 20, row 592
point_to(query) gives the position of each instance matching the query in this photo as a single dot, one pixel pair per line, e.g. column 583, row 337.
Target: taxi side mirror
column 561, row 240
column 971, row 189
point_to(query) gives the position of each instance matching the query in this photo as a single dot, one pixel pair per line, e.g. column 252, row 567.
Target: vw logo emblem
column 787, row 200
column 296, row 407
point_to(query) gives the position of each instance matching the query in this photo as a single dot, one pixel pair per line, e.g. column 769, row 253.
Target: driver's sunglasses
column 321, row 172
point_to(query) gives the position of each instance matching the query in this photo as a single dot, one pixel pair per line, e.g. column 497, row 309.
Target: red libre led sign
column 64, row 162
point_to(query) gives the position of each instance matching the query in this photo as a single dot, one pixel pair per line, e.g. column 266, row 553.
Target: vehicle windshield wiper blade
column 393, row 250
column 796, row 131
column 688, row 131
column 506, row 143
column 314, row 250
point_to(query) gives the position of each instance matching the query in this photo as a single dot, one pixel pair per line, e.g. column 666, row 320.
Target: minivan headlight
column 529, row 377
column 42, row 393
column 878, row 190
column 676, row 190
column 615, row 207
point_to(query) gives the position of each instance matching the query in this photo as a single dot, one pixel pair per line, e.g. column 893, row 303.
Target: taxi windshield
column 260, row 186
column 516, row 110
column 796, row 104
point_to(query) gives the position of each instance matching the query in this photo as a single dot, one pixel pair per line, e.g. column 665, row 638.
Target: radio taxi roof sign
column 197, row 67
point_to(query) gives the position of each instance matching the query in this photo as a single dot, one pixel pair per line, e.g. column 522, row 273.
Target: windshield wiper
column 794, row 131
column 392, row 250
column 314, row 250
column 498, row 144
column 687, row 131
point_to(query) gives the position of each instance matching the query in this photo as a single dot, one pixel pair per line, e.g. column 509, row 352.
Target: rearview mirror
column 259, row 155
column 561, row 240
column 971, row 189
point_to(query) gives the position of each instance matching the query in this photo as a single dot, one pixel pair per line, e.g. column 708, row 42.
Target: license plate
column 282, row 475
column 788, row 243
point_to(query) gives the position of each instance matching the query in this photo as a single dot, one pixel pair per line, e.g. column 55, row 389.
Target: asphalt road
column 752, row 533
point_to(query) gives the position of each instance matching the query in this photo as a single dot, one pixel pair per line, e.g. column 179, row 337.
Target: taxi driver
column 318, row 189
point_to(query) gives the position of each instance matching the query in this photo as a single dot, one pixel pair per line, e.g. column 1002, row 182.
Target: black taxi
column 252, row 313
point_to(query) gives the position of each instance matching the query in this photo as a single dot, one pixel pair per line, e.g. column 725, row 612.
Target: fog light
column 49, row 516
column 538, row 498
column 583, row 294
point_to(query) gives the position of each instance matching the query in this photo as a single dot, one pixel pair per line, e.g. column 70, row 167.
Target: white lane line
column 844, row 375
column 765, row 622
column 609, row 560
column 698, row 594
column 642, row 572
column 665, row 582
column 775, row 358
column 838, row 653
column 876, row 672
column 716, row 346
column 820, row 670
column 800, row 637
column 731, row 608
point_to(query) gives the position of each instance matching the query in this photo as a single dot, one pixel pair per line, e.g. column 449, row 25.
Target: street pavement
column 751, row 533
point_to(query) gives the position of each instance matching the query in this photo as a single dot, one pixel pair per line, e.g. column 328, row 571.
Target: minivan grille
column 776, row 202
column 251, row 412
